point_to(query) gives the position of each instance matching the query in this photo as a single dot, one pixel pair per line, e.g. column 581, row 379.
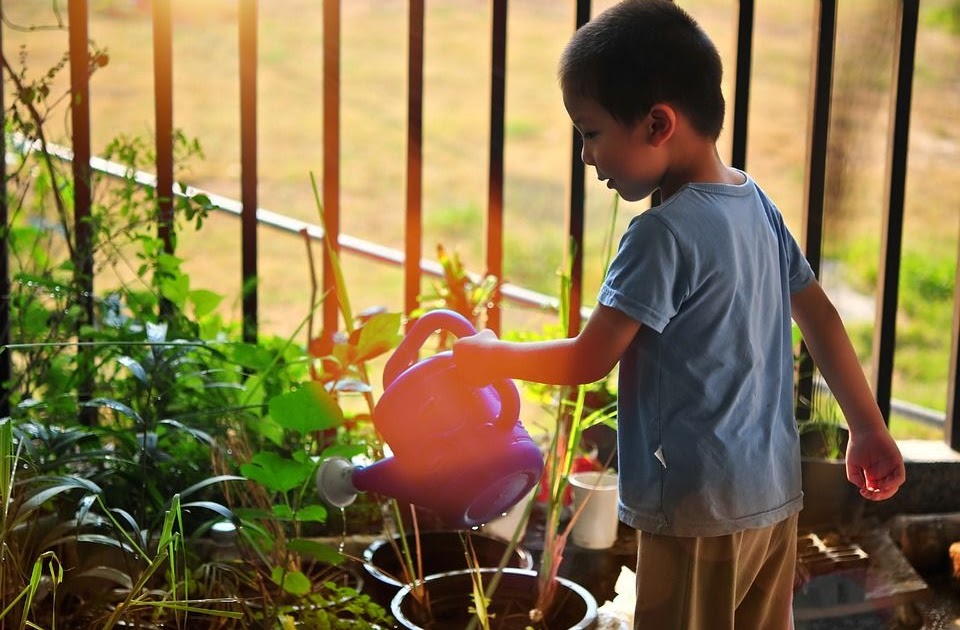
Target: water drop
column 343, row 533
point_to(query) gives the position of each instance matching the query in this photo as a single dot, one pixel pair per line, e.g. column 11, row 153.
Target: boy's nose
column 586, row 156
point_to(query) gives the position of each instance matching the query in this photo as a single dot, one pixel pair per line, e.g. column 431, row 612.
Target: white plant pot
column 596, row 526
column 505, row 525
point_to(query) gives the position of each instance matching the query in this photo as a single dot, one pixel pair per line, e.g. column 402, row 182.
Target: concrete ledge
column 933, row 481
column 917, row 451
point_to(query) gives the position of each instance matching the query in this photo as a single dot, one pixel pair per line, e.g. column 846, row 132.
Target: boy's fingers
column 878, row 489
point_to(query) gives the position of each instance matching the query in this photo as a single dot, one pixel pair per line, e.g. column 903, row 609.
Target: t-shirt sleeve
column 646, row 278
column 799, row 272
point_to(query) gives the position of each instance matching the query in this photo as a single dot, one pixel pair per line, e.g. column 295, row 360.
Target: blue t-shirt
column 707, row 437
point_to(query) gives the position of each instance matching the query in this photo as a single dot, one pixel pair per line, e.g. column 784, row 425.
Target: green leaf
column 267, row 428
column 251, row 514
column 293, row 582
column 251, row 356
column 209, row 481
column 64, row 484
column 379, row 334
column 282, row 512
column 276, row 473
column 310, row 408
column 204, row 302
column 175, row 288
column 317, row 550
column 116, row 405
column 108, row 573
column 347, row 451
column 311, row 513
column 222, row 510
column 135, row 368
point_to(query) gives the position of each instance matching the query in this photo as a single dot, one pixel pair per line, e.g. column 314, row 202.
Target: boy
column 696, row 308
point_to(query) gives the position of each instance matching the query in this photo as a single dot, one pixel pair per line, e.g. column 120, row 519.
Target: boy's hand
column 473, row 357
column 874, row 464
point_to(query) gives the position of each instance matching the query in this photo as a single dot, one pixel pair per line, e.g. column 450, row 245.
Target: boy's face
column 622, row 154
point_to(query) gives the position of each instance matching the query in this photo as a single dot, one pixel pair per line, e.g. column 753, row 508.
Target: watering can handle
column 443, row 319
column 406, row 353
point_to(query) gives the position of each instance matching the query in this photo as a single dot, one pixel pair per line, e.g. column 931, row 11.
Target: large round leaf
column 310, row 408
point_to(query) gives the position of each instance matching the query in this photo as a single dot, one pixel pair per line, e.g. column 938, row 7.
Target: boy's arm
column 588, row 357
column 874, row 462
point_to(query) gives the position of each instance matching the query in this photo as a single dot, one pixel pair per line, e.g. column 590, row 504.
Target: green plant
column 130, row 404
column 459, row 291
column 278, row 447
column 820, row 423
column 45, row 525
column 824, row 432
column 276, row 507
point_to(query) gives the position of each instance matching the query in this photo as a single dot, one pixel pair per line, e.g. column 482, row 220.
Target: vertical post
column 575, row 208
column 248, row 165
column 331, row 156
column 741, row 103
column 951, row 435
column 498, row 73
column 5, row 361
column 82, row 201
column 413, row 228
column 825, row 34
column 163, row 115
column 884, row 339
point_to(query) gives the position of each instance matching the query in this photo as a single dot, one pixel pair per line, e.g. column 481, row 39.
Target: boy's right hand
column 874, row 463
column 473, row 357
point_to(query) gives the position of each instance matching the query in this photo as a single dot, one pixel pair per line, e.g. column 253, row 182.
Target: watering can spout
column 335, row 481
column 339, row 481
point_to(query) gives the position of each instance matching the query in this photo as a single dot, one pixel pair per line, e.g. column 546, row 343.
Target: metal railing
column 250, row 213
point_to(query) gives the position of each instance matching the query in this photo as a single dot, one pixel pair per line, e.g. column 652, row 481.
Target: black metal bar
column 884, row 336
column 6, row 362
column 413, row 226
column 82, row 200
column 741, row 103
column 248, row 165
column 951, row 435
column 826, row 33
column 331, row 157
column 80, row 120
column 163, row 113
column 498, row 74
column 819, row 132
column 576, row 208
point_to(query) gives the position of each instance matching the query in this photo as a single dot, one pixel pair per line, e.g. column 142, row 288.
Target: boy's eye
column 588, row 135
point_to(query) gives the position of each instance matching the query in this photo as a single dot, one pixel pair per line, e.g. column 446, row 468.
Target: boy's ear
column 662, row 123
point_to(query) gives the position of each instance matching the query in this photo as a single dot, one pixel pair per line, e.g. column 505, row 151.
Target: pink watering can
column 458, row 449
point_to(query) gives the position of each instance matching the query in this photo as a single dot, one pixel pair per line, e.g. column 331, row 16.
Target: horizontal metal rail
column 365, row 249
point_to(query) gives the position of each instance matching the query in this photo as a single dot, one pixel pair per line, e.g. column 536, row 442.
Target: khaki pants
column 741, row 581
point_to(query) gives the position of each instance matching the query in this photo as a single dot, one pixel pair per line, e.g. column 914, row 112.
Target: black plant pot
column 441, row 551
column 574, row 608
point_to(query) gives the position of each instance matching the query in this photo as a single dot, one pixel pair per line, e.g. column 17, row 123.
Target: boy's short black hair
column 642, row 52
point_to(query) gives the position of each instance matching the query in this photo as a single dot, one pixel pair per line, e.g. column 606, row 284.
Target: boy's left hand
column 874, row 464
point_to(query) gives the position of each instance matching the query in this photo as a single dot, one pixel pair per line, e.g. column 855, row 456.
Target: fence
column 825, row 37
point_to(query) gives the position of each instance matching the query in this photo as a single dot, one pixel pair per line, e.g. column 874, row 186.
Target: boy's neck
column 695, row 159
